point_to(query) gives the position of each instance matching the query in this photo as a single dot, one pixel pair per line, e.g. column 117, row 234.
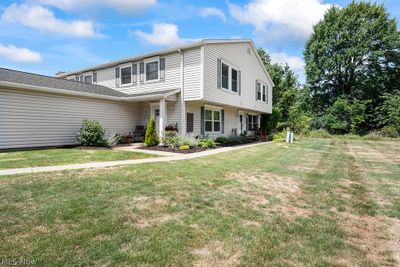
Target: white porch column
column 163, row 119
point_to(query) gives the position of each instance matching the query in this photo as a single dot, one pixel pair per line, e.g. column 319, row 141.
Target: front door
column 241, row 123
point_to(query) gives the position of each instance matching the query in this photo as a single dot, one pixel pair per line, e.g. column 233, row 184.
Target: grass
column 314, row 203
column 61, row 156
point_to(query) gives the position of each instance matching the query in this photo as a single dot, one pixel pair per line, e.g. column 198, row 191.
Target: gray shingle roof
column 25, row 78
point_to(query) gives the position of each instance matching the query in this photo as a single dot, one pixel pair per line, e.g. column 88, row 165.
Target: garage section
column 29, row 119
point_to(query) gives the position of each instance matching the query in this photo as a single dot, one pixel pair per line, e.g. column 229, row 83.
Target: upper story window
column 234, row 85
column 258, row 91
column 264, row 92
column 225, row 76
column 228, row 77
column 88, row 78
column 126, row 75
column 152, row 71
column 261, row 92
column 212, row 120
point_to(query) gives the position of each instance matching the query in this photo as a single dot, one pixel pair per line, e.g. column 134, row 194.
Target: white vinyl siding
column 30, row 119
column 235, row 55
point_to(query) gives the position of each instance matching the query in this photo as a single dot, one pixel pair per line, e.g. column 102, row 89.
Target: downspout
column 183, row 105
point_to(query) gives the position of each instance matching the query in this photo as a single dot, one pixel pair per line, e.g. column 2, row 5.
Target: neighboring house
column 207, row 88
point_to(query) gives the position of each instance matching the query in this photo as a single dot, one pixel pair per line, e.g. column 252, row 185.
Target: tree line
column 352, row 76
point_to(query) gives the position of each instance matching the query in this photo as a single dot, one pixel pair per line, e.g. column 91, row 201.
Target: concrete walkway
column 105, row 164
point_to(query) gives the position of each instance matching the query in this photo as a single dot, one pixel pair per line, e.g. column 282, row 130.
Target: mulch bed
column 192, row 149
column 175, row 149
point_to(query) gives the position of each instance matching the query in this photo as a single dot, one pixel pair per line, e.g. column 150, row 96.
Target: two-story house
column 208, row 88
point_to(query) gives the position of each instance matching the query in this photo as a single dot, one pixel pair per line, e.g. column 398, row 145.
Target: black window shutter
column 94, row 77
column 219, row 76
column 240, row 83
column 222, row 121
column 117, row 73
column 162, row 63
column 202, row 121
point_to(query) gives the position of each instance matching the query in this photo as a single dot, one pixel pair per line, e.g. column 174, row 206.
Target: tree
column 388, row 113
column 289, row 110
column 151, row 138
column 353, row 52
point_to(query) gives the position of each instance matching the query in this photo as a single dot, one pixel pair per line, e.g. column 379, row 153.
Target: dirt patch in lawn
column 271, row 193
column 368, row 153
column 215, row 253
column 370, row 234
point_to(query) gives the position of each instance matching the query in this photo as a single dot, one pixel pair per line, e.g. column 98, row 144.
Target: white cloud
column 295, row 63
column 122, row 6
column 164, row 34
column 19, row 54
column 38, row 17
column 213, row 11
column 280, row 18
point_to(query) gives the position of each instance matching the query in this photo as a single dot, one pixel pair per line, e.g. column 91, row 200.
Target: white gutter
column 84, row 94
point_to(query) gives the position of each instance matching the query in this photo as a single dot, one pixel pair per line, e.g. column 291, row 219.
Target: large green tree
column 287, row 98
column 354, row 53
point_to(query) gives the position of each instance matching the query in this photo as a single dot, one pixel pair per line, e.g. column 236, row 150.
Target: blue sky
column 45, row 36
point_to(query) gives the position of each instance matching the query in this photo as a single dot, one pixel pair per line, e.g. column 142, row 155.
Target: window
column 212, row 120
column 189, row 122
column 258, row 91
column 234, row 86
column 88, row 79
column 141, row 68
column 252, row 122
column 264, row 93
column 126, row 77
column 225, row 76
column 152, row 71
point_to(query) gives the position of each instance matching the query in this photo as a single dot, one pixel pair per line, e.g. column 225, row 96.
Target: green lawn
column 313, row 203
column 60, row 156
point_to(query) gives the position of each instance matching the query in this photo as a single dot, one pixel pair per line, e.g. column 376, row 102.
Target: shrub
column 184, row 147
column 91, row 133
column 373, row 136
column 170, row 139
column 151, row 138
column 206, row 143
column 222, row 140
column 124, row 138
column 280, row 136
column 188, row 141
column 390, row 131
column 320, row 133
column 111, row 141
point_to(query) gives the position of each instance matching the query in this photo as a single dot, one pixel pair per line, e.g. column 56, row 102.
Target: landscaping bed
column 175, row 149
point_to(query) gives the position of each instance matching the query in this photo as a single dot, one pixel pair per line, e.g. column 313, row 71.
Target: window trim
column 151, row 60
column 213, row 120
column 262, row 86
column 128, row 65
column 253, row 121
column 230, row 67
column 222, row 76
